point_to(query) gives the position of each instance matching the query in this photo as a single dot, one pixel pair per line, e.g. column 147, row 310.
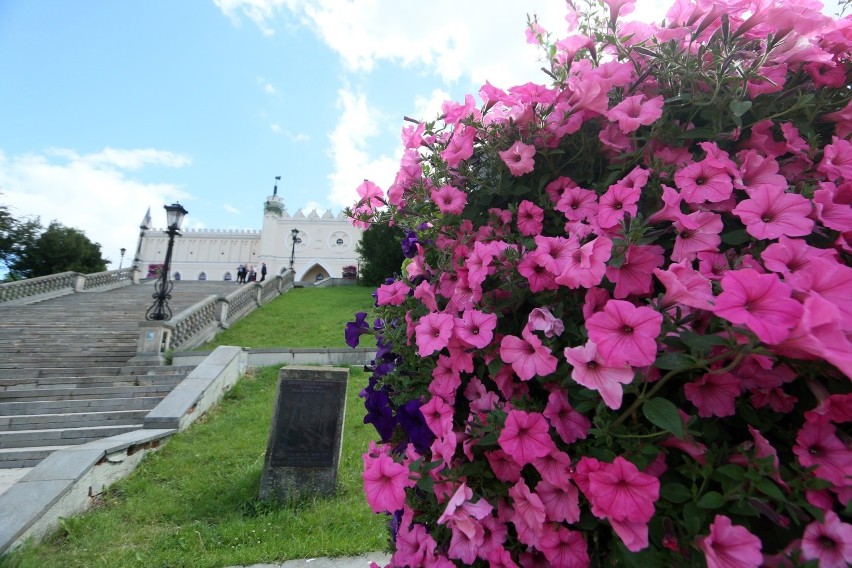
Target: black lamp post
column 159, row 310
column 295, row 235
column 121, row 262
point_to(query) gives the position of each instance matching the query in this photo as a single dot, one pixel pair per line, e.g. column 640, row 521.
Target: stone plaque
column 305, row 437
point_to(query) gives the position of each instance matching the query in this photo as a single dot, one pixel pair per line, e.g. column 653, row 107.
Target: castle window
column 202, row 276
column 177, row 276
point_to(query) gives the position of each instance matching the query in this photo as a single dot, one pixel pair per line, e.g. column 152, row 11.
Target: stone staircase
column 64, row 377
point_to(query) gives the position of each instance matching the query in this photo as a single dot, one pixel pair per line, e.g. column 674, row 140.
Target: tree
column 15, row 236
column 381, row 253
column 58, row 249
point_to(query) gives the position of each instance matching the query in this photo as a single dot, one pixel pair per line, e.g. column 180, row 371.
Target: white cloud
column 275, row 128
column 90, row 192
column 349, row 149
column 231, row 209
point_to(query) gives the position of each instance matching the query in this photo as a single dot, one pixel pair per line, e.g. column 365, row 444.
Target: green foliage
column 381, row 253
column 15, row 236
column 194, row 502
column 56, row 249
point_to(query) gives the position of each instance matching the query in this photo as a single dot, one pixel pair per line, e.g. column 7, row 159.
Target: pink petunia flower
column 625, row 334
column 700, row 182
column 564, row 548
column 590, row 371
column 817, row 444
column 460, row 147
column 577, row 203
column 384, row 483
column 527, row 355
column 433, row 333
column 761, row 302
column 530, row 217
column 540, row 319
column 713, row 395
column 633, row 112
column 561, row 500
column 685, row 286
column 519, row 158
column 696, row 233
column 475, row 328
column 586, row 266
column 772, row 212
column 392, row 294
column 568, row 423
column 438, row 415
column 449, row 199
column 619, row 491
column 613, row 205
column 633, row 277
column 504, row 467
column 525, row 436
column 730, row 546
column 528, row 513
column 837, row 159
column 829, row 542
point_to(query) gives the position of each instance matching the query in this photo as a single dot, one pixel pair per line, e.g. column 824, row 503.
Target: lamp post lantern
column 159, row 310
column 295, row 235
column 121, row 262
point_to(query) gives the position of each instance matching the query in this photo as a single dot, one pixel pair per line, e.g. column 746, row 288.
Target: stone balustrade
column 200, row 323
column 43, row 287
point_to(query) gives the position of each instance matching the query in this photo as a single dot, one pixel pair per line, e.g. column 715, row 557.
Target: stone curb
column 67, row 481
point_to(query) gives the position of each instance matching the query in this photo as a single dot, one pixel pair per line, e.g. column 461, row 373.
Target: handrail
column 62, row 283
column 200, row 322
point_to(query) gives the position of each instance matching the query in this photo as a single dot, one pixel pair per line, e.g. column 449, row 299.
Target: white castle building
column 319, row 246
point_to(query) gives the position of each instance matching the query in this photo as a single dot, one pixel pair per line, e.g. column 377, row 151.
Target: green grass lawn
column 194, row 502
column 303, row 317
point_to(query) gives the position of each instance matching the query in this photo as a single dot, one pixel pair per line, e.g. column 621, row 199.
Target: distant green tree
column 380, row 250
column 58, row 249
column 15, row 236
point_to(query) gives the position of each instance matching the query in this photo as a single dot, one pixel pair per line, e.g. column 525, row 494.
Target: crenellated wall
column 326, row 244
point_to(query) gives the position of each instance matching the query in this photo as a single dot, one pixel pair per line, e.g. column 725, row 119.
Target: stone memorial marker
column 305, row 438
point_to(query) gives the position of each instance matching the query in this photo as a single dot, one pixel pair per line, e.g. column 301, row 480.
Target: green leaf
column 675, row 492
column 674, row 361
column 426, row 484
column 693, row 518
column 739, row 108
column 701, row 344
column 736, row 237
column 768, row 487
column 663, row 413
column 731, row 471
column 711, row 500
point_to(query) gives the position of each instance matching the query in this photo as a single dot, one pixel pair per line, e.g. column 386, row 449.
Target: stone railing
column 201, row 322
column 43, row 287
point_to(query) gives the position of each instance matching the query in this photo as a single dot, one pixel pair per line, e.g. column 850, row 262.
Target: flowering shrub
column 622, row 332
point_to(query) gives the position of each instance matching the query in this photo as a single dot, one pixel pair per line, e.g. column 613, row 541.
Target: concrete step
column 25, row 457
column 84, row 382
column 61, row 436
column 60, row 371
column 74, row 393
column 87, row 419
column 80, row 405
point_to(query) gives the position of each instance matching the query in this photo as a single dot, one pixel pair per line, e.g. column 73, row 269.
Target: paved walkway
column 345, row 562
column 8, row 477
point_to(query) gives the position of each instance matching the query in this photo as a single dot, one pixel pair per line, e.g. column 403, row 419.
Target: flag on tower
column 146, row 221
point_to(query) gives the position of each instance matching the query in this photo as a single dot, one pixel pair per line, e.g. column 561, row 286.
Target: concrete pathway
column 8, row 477
column 363, row 561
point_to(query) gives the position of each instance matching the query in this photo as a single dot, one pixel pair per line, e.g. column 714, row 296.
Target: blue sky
column 110, row 107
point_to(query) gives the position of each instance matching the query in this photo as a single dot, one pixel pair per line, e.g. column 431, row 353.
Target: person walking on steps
column 263, row 272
